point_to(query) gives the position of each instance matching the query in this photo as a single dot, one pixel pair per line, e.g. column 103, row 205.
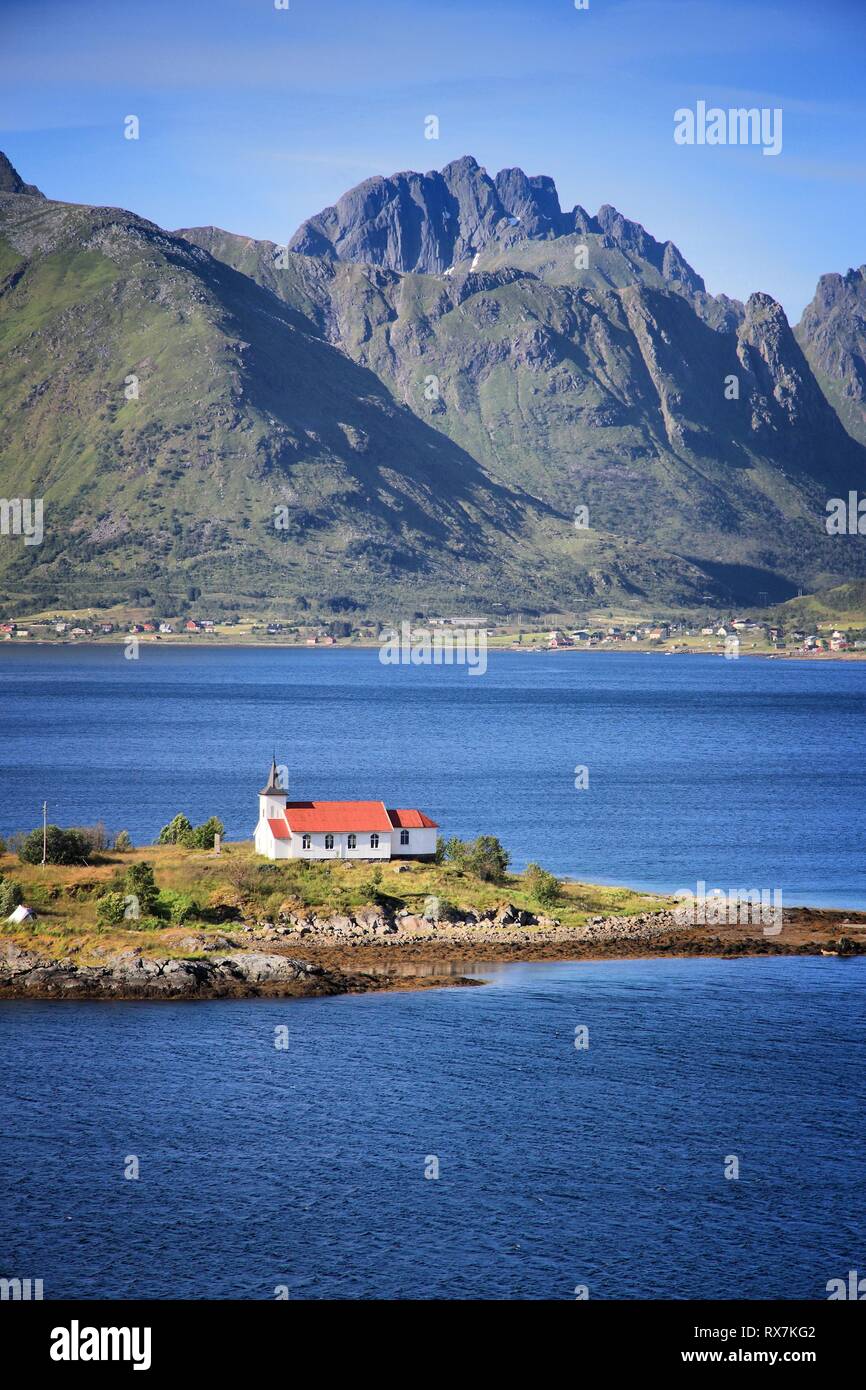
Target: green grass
column 66, row 898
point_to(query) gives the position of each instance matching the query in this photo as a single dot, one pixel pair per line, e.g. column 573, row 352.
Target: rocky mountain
column 832, row 334
column 205, row 414
column 430, row 223
column 191, row 433
column 12, row 182
column 588, row 367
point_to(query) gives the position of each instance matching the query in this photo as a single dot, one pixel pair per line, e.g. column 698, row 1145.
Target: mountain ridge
column 288, row 379
column 429, row 222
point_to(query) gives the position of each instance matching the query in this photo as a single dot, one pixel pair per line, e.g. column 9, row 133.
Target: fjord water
column 302, row 1170
column 746, row 773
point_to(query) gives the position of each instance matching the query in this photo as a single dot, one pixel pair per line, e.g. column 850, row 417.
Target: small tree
column 543, row 886
column 177, row 832
column 122, row 842
column 140, row 883
column 488, row 859
column 95, row 835
column 180, row 831
column 203, row 835
column 61, row 846
column 454, row 850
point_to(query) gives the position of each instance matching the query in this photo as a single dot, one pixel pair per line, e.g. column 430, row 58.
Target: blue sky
column 253, row 118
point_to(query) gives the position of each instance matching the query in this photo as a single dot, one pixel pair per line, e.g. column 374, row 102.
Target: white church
column 339, row 829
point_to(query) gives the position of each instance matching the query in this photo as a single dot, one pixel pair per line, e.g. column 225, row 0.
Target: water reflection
column 441, row 969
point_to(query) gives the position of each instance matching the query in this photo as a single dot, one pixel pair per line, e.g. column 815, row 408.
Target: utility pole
column 44, row 832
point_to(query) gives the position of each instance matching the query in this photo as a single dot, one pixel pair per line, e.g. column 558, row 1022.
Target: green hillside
column 211, row 419
column 241, row 409
column 604, row 388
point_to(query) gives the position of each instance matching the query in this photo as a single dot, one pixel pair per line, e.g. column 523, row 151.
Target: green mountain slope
column 208, row 415
column 605, row 386
column 165, row 407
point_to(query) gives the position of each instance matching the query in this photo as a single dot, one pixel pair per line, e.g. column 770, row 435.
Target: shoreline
column 321, row 965
column 632, row 648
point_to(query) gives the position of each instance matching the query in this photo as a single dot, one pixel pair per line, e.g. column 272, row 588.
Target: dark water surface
column 743, row 773
column 305, row 1167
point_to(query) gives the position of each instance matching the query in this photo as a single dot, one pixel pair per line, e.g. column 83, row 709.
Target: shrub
column 122, row 842
column 438, row 909
column 180, row 906
column 371, row 888
column 111, row 909
column 96, row 835
column 61, row 846
column 543, row 886
column 455, row 850
column 87, row 888
column 244, row 877
column 484, row 857
column 224, row 904
column 488, row 859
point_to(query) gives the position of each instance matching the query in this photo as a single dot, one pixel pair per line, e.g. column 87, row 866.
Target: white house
column 339, row 829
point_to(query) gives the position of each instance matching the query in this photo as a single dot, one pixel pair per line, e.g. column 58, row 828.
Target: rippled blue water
column 738, row 773
column 305, row 1168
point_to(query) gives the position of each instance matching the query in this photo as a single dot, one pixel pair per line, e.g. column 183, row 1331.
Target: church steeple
column 273, row 787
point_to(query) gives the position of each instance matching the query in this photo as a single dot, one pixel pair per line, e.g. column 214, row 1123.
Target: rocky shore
column 132, row 975
column 306, row 954
column 508, row 925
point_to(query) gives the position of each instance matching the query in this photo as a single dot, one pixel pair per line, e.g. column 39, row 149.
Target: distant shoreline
column 187, row 643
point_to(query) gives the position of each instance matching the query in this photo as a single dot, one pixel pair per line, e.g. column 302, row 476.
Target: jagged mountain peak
column 430, row 223
column 533, row 199
column 832, row 334
column 304, row 380
column 12, row 182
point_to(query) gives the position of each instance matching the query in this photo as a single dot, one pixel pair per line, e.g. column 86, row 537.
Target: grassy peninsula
column 232, row 923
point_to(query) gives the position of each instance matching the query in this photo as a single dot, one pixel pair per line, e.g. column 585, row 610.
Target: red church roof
column 411, row 820
column 280, row 829
column 305, row 817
